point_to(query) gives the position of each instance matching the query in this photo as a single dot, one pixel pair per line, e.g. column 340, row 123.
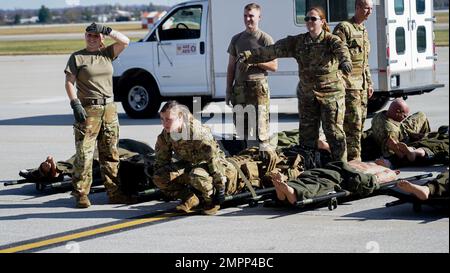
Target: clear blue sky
column 35, row 4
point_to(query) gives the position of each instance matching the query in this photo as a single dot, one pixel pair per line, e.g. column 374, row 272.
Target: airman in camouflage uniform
column 320, row 92
column 247, row 87
column 96, row 120
column 396, row 125
column 200, row 164
column 359, row 83
column 432, row 149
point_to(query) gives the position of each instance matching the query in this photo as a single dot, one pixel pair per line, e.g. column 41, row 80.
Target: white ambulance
column 185, row 54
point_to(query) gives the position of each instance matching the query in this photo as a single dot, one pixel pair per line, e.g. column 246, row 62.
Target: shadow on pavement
column 400, row 212
column 94, row 212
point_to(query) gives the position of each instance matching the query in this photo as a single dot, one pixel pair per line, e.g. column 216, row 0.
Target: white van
column 185, row 54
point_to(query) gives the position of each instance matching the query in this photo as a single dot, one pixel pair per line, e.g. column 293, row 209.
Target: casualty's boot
column 189, row 203
column 30, row 174
column 210, row 208
column 82, row 201
column 119, row 198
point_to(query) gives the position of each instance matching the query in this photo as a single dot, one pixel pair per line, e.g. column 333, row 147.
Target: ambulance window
column 184, row 23
column 336, row 10
column 421, row 39
column 301, row 6
column 400, row 43
column 341, row 10
column 399, row 6
column 420, row 6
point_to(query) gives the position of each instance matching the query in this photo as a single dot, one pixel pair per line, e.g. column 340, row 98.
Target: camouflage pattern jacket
column 318, row 59
column 356, row 39
column 195, row 144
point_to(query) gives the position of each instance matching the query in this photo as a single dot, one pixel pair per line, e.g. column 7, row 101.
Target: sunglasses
column 311, row 18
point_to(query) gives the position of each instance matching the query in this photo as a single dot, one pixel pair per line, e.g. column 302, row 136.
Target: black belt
column 103, row 101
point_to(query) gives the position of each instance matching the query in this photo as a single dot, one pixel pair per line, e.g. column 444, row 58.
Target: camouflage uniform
column 250, row 89
column 404, row 131
column 256, row 94
column 320, row 92
column 257, row 171
column 435, row 145
column 356, row 38
column 102, row 129
column 93, row 71
column 200, row 162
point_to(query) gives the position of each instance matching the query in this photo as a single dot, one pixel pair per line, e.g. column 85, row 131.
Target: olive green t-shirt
column 93, row 72
column 247, row 41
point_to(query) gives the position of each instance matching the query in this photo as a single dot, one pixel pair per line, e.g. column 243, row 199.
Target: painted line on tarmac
column 89, row 232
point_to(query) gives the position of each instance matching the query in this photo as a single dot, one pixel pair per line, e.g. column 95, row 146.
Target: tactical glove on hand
column 244, row 56
column 78, row 111
column 99, row 28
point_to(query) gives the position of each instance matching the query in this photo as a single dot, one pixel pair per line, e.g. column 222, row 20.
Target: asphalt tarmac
column 36, row 121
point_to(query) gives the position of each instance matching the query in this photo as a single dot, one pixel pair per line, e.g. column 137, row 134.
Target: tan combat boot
column 210, row 209
column 189, row 203
column 83, row 201
column 119, row 198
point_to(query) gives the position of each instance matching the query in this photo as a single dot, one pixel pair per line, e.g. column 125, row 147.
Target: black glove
column 219, row 198
column 346, row 67
column 78, row 111
column 99, row 28
column 243, row 67
column 244, row 56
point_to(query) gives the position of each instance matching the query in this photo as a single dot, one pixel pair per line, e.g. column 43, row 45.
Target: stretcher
column 404, row 198
column 332, row 199
column 64, row 184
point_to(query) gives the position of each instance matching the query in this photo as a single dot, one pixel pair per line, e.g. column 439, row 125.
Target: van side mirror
column 157, row 35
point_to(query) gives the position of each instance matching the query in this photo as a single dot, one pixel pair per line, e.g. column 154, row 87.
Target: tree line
column 77, row 14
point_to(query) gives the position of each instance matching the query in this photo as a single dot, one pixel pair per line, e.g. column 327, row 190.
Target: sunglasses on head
column 311, row 18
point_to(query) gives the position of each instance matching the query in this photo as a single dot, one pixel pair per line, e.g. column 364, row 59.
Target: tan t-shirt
column 93, row 72
column 247, row 41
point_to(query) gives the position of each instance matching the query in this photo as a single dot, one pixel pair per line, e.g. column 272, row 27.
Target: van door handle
column 202, row 48
column 413, row 24
column 166, row 43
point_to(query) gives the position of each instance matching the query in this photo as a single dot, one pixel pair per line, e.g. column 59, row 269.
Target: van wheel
column 141, row 98
column 376, row 103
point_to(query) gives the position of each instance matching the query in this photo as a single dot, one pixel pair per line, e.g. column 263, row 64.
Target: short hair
column 252, row 6
column 360, row 2
column 173, row 105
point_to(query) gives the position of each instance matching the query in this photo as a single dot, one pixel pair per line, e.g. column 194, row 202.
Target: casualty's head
column 252, row 16
column 398, row 110
column 173, row 115
column 363, row 9
column 94, row 40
